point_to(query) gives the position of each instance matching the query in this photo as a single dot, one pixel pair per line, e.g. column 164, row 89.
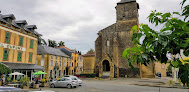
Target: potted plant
column 36, row 85
column 25, row 82
column 45, row 82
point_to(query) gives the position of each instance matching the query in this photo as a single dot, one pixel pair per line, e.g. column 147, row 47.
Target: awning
column 22, row 66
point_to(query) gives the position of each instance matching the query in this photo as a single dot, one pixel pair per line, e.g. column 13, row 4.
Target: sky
column 77, row 22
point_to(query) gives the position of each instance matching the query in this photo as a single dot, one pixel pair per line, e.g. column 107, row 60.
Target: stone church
column 114, row 39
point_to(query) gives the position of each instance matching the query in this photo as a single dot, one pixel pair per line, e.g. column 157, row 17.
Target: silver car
column 64, row 82
column 79, row 81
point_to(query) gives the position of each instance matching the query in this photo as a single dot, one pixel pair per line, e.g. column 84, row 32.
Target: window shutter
column 19, row 56
column 30, row 57
column 21, row 41
column 31, row 43
column 6, row 54
column 7, row 38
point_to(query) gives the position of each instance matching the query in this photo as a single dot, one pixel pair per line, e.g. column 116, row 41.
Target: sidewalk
column 151, row 82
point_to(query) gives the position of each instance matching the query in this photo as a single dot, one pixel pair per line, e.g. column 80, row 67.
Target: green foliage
column 61, row 43
column 4, row 69
column 52, row 43
column 172, row 37
column 41, row 41
column 91, row 51
column 24, row 81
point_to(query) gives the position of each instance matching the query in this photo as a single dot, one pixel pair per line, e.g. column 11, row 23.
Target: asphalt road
column 113, row 86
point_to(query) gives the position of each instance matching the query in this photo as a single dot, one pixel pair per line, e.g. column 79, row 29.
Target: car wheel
column 69, row 86
column 52, row 86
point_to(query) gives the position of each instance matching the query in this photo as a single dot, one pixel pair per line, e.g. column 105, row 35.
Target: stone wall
column 130, row 73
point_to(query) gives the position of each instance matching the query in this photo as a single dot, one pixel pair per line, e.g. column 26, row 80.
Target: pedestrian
column 3, row 81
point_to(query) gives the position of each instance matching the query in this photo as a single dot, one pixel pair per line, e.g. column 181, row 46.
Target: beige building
column 80, row 64
column 54, row 61
column 89, row 63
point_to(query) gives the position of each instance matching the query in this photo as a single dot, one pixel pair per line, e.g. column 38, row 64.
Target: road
column 113, row 86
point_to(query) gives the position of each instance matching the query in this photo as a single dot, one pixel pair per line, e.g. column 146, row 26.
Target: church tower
column 127, row 10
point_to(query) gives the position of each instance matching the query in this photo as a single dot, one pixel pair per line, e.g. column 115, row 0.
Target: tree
column 4, row 69
column 41, row 41
column 91, row 51
column 61, row 43
column 79, row 52
column 52, row 43
column 173, row 37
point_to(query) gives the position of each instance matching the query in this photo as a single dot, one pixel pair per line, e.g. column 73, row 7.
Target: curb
column 160, row 86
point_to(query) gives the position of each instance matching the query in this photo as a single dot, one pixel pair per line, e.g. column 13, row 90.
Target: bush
column 25, row 81
column 92, row 75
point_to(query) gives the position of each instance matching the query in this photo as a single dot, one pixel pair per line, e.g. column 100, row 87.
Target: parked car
column 64, row 82
column 79, row 81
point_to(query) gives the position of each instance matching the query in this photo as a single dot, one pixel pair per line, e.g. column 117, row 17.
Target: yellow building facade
column 74, row 57
column 56, row 62
column 88, row 63
column 18, row 45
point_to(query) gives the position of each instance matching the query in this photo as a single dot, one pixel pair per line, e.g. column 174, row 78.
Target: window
column 51, row 57
column 59, row 73
column 30, row 57
column 19, row 56
column 6, row 54
column 108, row 43
column 51, row 63
column 51, row 73
column 60, row 63
column 42, row 62
column 64, row 64
column 42, row 56
column 20, row 41
column 67, row 59
column 31, row 43
column 56, row 64
column 36, row 62
column 7, row 38
column 70, row 63
column 56, row 57
column 60, row 58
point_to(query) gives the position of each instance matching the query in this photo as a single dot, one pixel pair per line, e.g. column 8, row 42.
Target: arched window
column 108, row 43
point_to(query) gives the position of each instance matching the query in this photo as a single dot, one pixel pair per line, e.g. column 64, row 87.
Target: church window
column 108, row 43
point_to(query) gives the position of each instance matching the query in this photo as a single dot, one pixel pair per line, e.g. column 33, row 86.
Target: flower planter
column 36, row 86
column 25, row 87
column 45, row 84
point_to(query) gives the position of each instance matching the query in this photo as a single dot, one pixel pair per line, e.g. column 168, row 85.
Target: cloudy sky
column 76, row 22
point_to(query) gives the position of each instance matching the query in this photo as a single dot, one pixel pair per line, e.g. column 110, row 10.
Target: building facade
column 89, row 63
column 74, row 55
column 18, row 44
column 54, row 61
column 80, row 64
column 113, row 40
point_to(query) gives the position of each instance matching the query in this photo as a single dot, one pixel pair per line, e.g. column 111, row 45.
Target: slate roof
column 31, row 26
column 42, row 49
column 21, row 22
column 9, row 16
column 1, row 19
column 22, row 66
column 126, row 1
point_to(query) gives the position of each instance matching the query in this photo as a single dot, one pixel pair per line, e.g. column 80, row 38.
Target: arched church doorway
column 106, row 68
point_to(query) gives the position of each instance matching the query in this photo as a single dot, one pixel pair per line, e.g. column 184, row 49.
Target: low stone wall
column 130, row 73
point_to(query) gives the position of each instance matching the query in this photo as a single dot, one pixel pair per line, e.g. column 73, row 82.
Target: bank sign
column 4, row 45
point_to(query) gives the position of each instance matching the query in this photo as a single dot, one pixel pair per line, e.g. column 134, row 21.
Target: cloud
column 77, row 22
